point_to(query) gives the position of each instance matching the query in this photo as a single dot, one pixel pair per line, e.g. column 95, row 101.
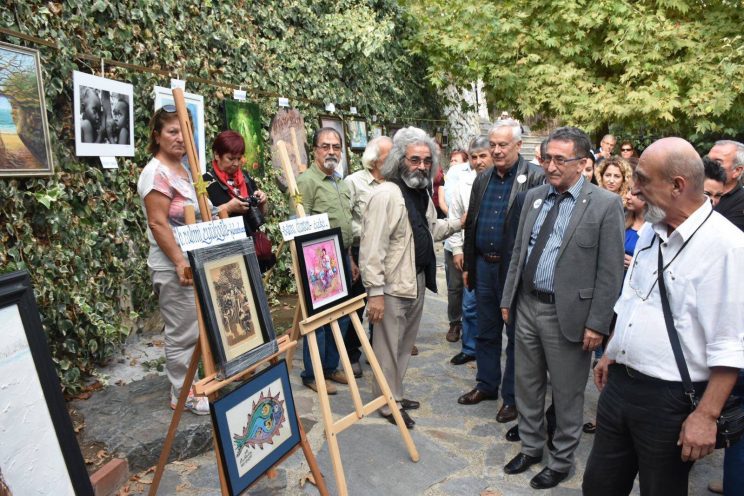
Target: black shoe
column 409, row 404
column 461, row 358
column 520, row 463
column 589, row 428
column 512, row 435
column 547, row 478
column 408, row 421
column 507, row 413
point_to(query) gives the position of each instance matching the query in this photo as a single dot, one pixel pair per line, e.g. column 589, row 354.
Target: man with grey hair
column 692, row 257
column 730, row 155
column 484, row 255
column 606, row 147
column 397, row 256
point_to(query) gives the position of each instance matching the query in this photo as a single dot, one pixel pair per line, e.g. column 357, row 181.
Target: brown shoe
column 453, row 335
column 507, row 413
column 474, row 397
column 330, row 388
column 414, row 350
column 338, row 376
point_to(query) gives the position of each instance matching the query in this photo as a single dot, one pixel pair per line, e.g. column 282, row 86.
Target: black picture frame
column 316, row 286
column 357, row 132
column 233, row 302
column 26, row 367
column 245, row 457
column 392, row 128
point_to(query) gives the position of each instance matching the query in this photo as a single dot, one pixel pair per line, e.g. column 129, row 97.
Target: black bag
column 730, row 425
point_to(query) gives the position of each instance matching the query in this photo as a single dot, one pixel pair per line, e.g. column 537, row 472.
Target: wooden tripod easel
column 210, row 386
column 307, row 328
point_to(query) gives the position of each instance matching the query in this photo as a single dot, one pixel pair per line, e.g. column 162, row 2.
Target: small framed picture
column 38, row 453
column 375, row 131
column 228, row 283
column 104, row 116
column 256, row 426
column 324, row 269
column 392, row 129
column 195, row 105
column 335, row 122
column 357, row 129
column 26, row 148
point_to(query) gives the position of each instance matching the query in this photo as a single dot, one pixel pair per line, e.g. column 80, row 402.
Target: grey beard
column 330, row 163
column 415, row 180
column 653, row 214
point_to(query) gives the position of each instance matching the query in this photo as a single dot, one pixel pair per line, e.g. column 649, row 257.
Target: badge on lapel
column 537, row 203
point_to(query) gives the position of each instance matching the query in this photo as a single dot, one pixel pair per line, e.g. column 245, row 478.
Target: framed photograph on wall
column 392, row 128
column 234, row 305
column 357, row 130
column 24, row 134
column 195, row 105
column 375, row 131
column 104, row 116
column 36, row 430
column 256, row 426
column 245, row 119
column 324, row 270
column 337, row 123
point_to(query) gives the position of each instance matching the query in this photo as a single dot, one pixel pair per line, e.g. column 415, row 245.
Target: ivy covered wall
column 81, row 232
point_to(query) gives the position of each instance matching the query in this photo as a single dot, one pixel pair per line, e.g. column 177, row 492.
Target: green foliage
column 81, row 232
column 673, row 66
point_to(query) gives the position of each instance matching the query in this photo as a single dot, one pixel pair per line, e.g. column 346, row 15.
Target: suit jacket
column 589, row 268
column 534, row 176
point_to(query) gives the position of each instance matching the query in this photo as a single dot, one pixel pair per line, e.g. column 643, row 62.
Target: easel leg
column 294, row 334
column 311, row 460
column 355, row 396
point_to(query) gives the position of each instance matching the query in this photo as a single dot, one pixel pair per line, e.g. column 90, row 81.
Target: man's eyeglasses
column 417, row 160
column 326, row 147
column 559, row 161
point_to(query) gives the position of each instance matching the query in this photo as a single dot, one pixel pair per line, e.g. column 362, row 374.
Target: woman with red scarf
column 227, row 180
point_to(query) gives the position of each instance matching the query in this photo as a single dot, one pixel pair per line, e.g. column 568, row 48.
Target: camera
column 254, row 215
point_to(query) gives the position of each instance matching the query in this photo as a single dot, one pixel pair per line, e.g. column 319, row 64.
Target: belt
column 543, row 296
column 491, row 257
column 640, row 376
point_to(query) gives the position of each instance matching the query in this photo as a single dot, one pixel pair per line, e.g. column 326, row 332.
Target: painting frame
column 195, row 104
column 239, row 473
column 245, row 119
column 356, row 129
column 336, row 122
column 24, row 349
column 41, row 129
column 392, row 128
column 240, row 334
column 314, row 302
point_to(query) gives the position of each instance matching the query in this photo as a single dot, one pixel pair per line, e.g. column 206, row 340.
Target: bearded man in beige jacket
column 397, row 259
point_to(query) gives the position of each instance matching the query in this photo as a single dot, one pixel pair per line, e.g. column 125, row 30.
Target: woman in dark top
column 634, row 210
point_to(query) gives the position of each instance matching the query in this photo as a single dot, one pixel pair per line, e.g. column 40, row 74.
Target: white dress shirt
column 360, row 185
column 458, row 206
column 705, row 284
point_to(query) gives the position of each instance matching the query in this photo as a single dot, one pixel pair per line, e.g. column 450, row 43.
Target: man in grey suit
column 564, row 277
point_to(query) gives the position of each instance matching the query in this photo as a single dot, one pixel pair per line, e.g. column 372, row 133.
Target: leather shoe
column 512, row 435
column 408, row 421
column 409, row 404
column 589, row 428
column 414, row 350
column 461, row 358
column 507, row 413
column 474, row 397
column 547, row 478
column 520, row 463
column 453, row 335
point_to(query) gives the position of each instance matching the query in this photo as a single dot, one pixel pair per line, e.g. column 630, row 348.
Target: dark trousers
column 351, row 340
column 490, row 334
column 454, row 288
column 638, row 425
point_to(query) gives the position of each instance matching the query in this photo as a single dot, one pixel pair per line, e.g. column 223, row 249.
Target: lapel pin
column 521, row 179
column 537, row 203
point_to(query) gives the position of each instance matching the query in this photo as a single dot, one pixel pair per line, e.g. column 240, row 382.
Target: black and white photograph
column 104, row 117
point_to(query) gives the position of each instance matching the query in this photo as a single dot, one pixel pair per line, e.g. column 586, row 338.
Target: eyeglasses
column 559, row 161
column 326, row 147
column 626, row 149
column 417, row 160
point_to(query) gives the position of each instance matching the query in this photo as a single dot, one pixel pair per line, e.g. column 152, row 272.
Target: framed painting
column 245, row 119
column 375, row 131
column 38, row 453
column 195, row 104
column 104, row 110
column 256, row 426
column 324, row 269
column 357, row 130
column 25, row 148
column 392, row 129
column 234, row 305
column 288, row 126
column 335, row 122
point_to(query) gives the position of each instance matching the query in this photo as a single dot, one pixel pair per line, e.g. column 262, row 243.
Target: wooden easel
column 307, row 327
column 210, row 386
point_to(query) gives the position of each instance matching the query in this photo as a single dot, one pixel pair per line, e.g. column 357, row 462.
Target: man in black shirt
column 730, row 155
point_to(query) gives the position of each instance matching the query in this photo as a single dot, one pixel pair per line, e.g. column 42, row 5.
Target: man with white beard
column 397, row 258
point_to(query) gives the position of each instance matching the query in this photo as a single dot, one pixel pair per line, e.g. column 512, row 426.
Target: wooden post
column 300, row 166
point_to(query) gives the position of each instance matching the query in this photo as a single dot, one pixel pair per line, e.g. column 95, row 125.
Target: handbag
column 730, row 424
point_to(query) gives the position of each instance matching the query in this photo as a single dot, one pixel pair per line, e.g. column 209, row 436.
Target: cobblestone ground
column 462, row 448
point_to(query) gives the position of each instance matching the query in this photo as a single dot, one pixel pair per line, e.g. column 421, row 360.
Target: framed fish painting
column 256, row 426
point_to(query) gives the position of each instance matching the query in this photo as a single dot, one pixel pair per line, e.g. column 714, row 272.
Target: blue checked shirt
column 545, row 273
column 490, row 228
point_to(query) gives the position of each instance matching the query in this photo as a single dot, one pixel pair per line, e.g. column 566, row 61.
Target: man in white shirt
column 645, row 423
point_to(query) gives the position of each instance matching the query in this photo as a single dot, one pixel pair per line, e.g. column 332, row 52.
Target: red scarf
column 238, row 186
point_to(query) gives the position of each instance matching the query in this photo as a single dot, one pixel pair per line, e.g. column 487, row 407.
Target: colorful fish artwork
column 264, row 422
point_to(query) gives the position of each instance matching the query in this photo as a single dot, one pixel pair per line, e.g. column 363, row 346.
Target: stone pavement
column 462, row 448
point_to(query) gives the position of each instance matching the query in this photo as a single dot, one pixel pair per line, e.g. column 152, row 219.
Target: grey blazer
column 589, row 268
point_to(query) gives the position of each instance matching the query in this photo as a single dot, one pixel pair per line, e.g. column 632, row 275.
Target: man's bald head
column 676, row 157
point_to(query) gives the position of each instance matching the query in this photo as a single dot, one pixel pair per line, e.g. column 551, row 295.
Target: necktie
column 528, row 275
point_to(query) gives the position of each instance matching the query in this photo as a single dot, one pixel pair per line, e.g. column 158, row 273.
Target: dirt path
column 16, row 154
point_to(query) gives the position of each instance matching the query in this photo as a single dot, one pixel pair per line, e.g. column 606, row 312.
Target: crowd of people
column 570, row 256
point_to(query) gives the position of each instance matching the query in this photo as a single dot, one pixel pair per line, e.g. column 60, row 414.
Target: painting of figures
column 25, row 148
